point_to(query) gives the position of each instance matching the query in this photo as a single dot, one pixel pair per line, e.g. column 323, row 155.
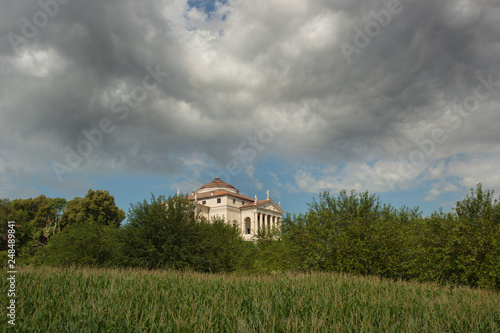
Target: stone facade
column 222, row 200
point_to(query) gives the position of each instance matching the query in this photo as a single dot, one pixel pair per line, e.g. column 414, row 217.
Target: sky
column 398, row 98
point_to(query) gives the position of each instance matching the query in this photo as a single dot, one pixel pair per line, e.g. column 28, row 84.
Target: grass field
column 100, row 300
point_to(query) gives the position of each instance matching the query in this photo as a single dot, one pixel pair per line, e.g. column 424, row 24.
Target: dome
column 217, row 184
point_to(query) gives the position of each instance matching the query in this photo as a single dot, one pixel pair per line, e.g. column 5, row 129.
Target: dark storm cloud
column 228, row 76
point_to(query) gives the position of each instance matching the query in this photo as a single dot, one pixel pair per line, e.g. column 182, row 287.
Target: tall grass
column 100, row 300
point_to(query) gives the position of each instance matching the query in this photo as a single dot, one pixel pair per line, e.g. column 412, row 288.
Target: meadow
column 128, row 300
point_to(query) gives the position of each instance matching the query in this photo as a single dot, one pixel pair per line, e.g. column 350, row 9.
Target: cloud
column 345, row 124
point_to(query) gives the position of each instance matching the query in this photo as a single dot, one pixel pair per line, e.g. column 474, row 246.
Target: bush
column 86, row 244
column 168, row 233
column 357, row 234
column 219, row 247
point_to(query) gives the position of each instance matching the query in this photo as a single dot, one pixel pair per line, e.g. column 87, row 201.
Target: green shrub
column 83, row 244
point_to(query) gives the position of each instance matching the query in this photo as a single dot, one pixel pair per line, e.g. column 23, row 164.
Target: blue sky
column 206, row 6
column 397, row 98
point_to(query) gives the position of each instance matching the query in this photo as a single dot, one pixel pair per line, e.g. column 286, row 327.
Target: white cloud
column 39, row 62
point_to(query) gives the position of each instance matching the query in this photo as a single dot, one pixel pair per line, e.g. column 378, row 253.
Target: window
column 243, row 202
column 204, row 202
column 218, row 200
column 248, row 225
column 234, row 201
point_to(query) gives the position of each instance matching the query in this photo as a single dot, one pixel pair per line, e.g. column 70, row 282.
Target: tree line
column 350, row 232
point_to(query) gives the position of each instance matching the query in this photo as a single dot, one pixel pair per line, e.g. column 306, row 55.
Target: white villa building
column 220, row 199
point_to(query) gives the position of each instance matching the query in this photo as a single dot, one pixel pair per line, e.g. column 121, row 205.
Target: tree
column 96, row 207
column 269, row 252
column 352, row 233
column 37, row 219
column 219, row 246
column 477, row 205
column 472, row 253
column 81, row 244
column 56, row 208
column 89, row 232
column 158, row 233
column 6, row 211
column 169, row 233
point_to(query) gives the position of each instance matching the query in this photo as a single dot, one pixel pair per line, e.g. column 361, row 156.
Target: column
column 254, row 223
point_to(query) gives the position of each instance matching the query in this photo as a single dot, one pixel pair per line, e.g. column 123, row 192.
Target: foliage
column 219, row 246
column 81, row 244
column 6, row 213
column 111, row 300
column 96, row 207
column 462, row 247
column 478, row 205
column 37, row 220
column 353, row 233
column 269, row 253
column 158, row 234
column 169, row 233
column 356, row 233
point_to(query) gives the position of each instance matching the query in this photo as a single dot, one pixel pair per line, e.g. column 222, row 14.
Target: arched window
column 248, row 226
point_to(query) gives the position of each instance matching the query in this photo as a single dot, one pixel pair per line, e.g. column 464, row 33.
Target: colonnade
column 263, row 220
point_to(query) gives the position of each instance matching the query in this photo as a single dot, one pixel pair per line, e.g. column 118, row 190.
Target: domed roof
column 217, row 184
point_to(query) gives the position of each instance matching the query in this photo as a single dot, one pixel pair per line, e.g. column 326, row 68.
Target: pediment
column 271, row 205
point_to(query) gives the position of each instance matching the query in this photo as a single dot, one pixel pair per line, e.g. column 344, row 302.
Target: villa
column 222, row 200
